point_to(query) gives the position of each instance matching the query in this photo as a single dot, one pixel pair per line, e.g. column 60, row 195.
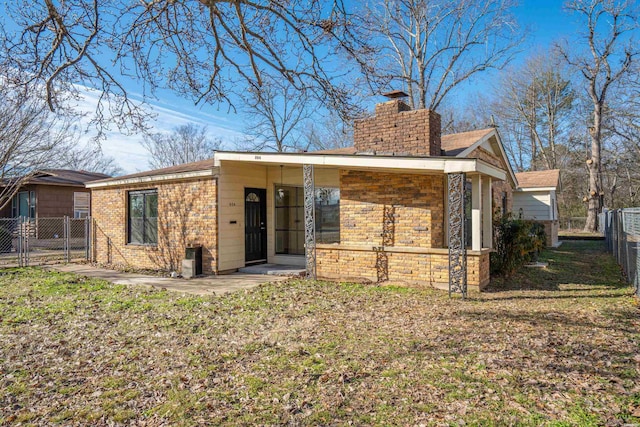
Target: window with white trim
column 81, row 204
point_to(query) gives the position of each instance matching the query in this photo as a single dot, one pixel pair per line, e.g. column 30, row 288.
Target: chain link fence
column 25, row 241
column 574, row 223
column 621, row 229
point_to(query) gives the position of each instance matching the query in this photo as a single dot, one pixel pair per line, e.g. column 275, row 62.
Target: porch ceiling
column 395, row 164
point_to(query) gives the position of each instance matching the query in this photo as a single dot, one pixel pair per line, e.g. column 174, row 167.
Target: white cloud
column 127, row 149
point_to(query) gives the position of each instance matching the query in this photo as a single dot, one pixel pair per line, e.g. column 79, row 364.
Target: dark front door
column 255, row 225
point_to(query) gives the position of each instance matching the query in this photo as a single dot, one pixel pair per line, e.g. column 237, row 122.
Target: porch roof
column 456, row 145
column 398, row 164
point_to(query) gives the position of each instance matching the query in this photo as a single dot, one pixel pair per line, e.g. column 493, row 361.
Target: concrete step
column 274, row 270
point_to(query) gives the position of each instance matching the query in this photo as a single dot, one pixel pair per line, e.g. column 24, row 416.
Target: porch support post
column 309, row 221
column 476, row 212
column 487, row 213
column 457, row 249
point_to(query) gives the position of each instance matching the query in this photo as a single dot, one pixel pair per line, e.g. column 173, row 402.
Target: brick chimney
column 398, row 130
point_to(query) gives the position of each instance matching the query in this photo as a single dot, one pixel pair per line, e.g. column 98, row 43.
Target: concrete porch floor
column 205, row 285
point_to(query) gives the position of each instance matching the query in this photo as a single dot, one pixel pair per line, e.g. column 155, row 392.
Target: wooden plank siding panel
column 54, row 201
column 534, row 205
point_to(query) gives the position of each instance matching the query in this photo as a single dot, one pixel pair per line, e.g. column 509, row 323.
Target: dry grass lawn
column 548, row 347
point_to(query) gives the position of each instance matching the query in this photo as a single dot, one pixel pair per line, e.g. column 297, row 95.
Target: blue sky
column 545, row 21
column 170, row 111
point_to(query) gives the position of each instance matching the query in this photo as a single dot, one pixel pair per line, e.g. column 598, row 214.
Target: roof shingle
column 452, row 144
column 455, row 143
column 538, row 179
column 65, row 177
column 185, row 167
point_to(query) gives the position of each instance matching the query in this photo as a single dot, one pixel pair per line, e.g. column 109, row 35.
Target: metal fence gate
column 25, row 241
column 622, row 237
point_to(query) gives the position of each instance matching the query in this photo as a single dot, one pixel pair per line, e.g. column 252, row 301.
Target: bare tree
column 185, row 144
column 533, row 104
column 89, row 158
column 327, row 132
column 207, row 50
column 432, row 46
column 30, row 136
column 276, row 113
column 621, row 143
column 606, row 60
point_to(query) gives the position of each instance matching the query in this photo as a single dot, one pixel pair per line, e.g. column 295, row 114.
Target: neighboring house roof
column 186, row 170
column 64, row 177
column 539, row 179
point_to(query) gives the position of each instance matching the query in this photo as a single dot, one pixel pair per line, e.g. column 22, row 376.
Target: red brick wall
column 415, row 201
column 409, row 248
column 423, row 269
column 187, row 214
column 396, row 129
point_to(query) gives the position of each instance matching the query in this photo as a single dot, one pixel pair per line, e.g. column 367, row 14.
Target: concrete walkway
column 206, row 285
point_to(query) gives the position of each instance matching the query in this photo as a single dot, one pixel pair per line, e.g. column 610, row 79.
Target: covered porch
column 407, row 219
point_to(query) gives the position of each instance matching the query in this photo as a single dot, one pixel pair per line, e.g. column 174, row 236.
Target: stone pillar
column 457, row 249
column 309, row 221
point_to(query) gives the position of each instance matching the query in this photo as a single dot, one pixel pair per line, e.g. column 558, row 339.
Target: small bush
column 516, row 242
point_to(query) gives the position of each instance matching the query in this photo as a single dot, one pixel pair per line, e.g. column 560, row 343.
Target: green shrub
column 516, row 241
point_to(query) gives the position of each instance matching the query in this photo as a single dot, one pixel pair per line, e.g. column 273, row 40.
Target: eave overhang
column 151, row 179
column 396, row 164
column 534, row 189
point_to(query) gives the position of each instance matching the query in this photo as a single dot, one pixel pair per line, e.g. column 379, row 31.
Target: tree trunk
column 595, row 172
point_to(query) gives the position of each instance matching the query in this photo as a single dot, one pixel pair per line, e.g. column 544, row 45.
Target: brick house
column 404, row 204
column 51, row 193
column 535, row 199
column 145, row 220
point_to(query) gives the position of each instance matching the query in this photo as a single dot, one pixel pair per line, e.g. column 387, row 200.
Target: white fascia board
column 377, row 162
column 492, row 171
column 534, row 189
column 481, row 141
column 155, row 178
column 407, row 164
column 506, row 158
column 476, row 144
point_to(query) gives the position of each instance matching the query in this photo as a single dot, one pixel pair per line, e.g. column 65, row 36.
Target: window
column 504, row 203
column 143, row 217
column 81, row 202
column 290, row 218
column 327, row 215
